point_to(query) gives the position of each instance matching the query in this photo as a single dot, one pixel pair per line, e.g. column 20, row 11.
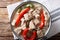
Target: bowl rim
column 23, row 3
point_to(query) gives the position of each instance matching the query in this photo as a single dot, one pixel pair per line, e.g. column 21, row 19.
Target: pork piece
column 22, row 21
column 37, row 5
column 13, row 22
column 31, row 25
column 26, row 16
column 31, row 10
column 44, row 29
column 35, row 14
column 46, row 23
column 46, row 15
column 23, row 26
column 18, row 30
column 46, row 18
column 30, row 16
column 38, row 8
column 39, row 33
column 36, row 21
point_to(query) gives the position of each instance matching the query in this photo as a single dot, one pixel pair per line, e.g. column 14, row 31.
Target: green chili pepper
column 30, row 5
column 25, row 6
column 19, row 10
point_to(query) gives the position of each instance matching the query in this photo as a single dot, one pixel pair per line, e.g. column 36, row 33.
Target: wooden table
column 5, row 30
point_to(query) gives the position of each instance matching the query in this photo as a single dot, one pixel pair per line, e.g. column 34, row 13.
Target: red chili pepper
column 42, row 19
column 21, row 15
column 25, row 33
column 33, row 36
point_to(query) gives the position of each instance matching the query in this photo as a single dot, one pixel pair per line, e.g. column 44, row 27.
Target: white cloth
column 50, row 5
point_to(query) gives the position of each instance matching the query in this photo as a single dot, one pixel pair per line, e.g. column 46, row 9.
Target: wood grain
column 4, row 3
column 6, row 38
column 5, row 29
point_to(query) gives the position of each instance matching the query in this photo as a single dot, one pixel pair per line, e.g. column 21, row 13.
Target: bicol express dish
column 31, row 21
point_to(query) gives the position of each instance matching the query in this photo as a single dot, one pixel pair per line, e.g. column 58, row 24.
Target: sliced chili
column 21, row 15
column 25, row 33
column 33, row 36
column 42, row 18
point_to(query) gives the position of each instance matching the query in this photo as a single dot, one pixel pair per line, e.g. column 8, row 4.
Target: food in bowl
column 31, row 21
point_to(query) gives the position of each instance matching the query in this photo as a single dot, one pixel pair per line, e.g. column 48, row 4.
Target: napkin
column 54, row 8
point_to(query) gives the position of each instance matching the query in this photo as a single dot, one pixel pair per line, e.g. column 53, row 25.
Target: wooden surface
column 5, row 30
